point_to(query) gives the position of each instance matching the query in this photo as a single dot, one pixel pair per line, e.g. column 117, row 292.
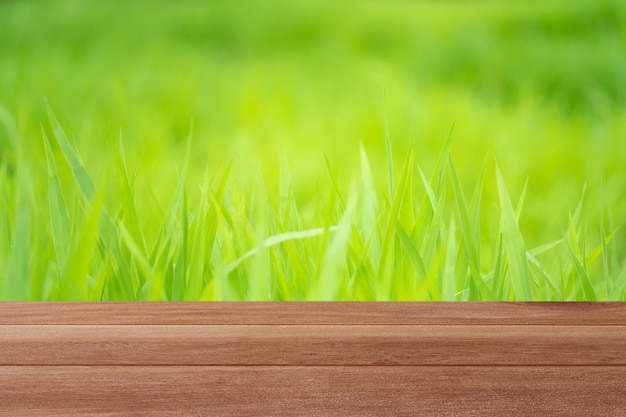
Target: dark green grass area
column 301, row 150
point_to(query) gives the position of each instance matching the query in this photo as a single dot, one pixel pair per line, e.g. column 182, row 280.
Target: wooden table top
column 313, row 359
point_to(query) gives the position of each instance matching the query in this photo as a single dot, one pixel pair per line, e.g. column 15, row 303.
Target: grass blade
column 59, row 213
column 16, row 281
column 128, row 202
column 469, row 234
column 74, row 286
column 514, row 244
column 76, row 164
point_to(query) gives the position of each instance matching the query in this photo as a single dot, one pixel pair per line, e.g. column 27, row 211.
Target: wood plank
column 312, row 345
column 312, row 391
column 310, row 359
column 597, row 314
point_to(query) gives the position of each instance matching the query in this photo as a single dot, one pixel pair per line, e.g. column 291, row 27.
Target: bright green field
column 312, row 150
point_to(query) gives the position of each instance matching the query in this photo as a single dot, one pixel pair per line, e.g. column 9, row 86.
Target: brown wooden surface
column 313, row 391
column 312, row 345
column 260, row 313
column 312, row 359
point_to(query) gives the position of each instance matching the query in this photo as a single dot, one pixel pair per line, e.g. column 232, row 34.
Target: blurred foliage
column 539, row 86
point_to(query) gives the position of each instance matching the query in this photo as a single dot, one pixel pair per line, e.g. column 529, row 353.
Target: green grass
column 245, row 151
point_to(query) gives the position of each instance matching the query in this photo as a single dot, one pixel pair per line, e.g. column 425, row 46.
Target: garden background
column 312, row 150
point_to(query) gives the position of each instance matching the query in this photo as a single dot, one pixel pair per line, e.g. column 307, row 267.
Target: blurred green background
column 540, row 86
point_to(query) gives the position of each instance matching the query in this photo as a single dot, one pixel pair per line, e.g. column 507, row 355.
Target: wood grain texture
column 312, row 359
column 313, row 391
column 260, row 313
column 312, row 345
